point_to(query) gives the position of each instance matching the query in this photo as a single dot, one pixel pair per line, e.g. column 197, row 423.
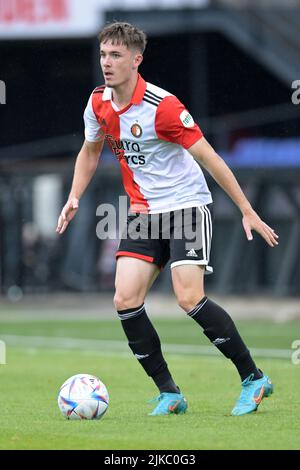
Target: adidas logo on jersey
column 192, row 252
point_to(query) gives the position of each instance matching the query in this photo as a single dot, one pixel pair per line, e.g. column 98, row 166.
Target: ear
column 138, row 59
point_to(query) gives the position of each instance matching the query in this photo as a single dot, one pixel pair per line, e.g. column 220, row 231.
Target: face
column 118, row 63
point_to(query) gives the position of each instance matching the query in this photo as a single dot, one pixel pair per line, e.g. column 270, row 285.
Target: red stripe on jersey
column 169, row 125
column 101, row 87
column 137, row 201
column 105, row 113
column 135, row 255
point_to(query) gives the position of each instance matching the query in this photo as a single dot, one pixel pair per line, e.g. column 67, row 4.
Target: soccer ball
column 83, row 396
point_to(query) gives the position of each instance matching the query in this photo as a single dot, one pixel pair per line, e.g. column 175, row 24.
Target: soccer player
column 158, row 145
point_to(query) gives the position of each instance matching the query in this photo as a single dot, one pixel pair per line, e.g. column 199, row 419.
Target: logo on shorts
column 136, row 130
column 186, row 119
column 192, row 252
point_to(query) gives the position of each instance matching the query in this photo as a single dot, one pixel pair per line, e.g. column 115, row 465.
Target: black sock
column 144, row 342
column 222, row 332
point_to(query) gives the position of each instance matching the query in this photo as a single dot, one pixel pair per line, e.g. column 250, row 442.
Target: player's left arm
column 203, row 152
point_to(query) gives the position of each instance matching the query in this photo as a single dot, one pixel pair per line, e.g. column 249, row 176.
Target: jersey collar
column 138, row 93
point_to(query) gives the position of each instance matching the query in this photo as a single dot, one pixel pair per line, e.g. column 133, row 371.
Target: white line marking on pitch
column 106, row 346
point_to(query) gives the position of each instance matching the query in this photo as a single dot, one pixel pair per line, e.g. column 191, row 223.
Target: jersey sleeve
column 92, row 128
column 174, row 123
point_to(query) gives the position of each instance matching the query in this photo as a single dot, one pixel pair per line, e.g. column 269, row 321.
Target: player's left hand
column 251, row 221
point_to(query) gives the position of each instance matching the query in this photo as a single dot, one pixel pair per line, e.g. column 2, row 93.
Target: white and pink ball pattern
column 83, row 396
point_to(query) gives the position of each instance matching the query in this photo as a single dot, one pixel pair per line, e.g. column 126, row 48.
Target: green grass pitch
column 30, row 418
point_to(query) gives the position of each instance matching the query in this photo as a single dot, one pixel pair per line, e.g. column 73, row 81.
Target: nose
column 106, row 61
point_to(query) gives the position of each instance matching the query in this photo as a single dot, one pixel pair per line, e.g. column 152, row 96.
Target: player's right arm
column 85, row 167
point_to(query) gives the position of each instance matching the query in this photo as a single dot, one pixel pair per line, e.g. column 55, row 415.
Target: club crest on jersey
column 186, row 119
column 136, row 130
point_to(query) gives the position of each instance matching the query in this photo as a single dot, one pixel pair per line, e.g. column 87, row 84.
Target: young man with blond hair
column 158, row 145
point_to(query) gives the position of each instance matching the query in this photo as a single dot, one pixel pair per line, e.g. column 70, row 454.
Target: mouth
column 108, row 75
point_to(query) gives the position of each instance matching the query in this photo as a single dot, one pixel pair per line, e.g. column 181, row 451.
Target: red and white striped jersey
column 150, row 138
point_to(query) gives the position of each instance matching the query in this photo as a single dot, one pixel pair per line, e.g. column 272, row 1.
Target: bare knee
column 186, row 304
column 188, row 300
column 188, row 285
column 123, row 301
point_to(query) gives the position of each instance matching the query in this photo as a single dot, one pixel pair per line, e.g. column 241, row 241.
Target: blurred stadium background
column 233, row 63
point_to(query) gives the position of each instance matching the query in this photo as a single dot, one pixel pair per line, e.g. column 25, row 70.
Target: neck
column 122, row 94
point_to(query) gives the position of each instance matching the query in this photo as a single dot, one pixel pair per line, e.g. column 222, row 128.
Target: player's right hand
column 67, row 214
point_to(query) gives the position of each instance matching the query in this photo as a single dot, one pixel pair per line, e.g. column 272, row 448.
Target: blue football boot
column 169, row 403
column 253, row 391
